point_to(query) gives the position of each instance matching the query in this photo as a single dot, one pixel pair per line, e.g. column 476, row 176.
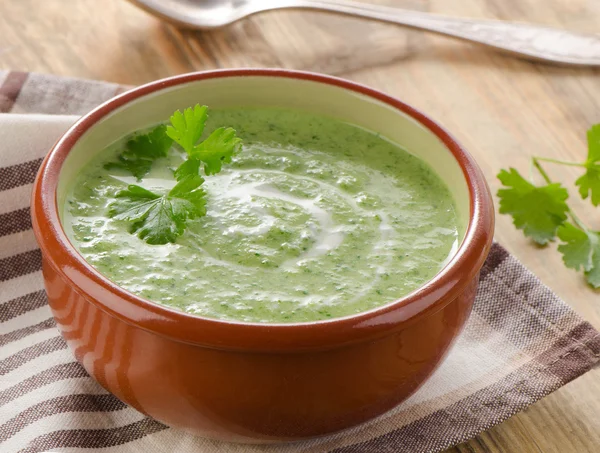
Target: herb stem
column 537, row 165
column 576, row 220
column 560, row 162
column 531, row 178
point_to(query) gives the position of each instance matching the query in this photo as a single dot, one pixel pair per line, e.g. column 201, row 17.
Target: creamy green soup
column 314, row 219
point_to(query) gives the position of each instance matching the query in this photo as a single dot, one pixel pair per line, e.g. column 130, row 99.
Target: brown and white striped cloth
column 521, row 342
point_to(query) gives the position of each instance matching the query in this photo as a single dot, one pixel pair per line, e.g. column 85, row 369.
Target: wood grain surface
column 502, row 109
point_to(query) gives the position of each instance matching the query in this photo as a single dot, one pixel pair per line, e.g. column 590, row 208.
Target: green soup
column 314, row 219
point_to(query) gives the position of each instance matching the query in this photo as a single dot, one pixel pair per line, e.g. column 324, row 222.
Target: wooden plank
column 502, row 109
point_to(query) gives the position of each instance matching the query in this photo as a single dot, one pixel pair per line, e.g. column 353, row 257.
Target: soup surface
column 314, row 219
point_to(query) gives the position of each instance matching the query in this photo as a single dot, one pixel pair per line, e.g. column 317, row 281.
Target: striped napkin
column 520, row 344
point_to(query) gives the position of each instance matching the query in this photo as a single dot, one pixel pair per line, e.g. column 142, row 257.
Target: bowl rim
column 444, row 287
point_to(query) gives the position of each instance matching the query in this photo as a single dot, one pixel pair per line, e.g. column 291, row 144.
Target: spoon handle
column 530, row 41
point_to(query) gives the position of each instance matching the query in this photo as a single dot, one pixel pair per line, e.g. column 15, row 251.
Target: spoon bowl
column 200, row 15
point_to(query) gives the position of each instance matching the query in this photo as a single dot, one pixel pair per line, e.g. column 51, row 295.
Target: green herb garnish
column 160, row 219
column 141, row 151
column 590, row 181
column 217, row 149
column 186, row 129
column 542, row 212
column 538, row 211
column 581, row 250
column 156, row 218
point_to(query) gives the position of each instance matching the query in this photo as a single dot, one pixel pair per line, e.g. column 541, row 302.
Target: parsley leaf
column 186, row 128
column 581, row 249
column 141, row 151
column 190, row 167
column 589, row 183
column 137, row 167
column 593, row 275
column 218, row 148
column 538, row 211
column 160, row 219
column 577, row 247
column 153, row 145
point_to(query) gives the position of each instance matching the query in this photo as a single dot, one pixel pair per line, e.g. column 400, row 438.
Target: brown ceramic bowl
column 259, row 382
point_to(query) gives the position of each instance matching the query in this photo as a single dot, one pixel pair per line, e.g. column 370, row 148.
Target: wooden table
column 502, row 109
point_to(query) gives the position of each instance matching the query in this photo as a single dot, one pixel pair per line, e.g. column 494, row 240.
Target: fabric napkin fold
column 520, row 344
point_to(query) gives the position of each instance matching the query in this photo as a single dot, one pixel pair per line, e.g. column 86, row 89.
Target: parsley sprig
column 161, row 218
column 543, row 214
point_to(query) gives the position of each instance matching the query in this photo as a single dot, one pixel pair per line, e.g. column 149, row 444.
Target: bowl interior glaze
column 264, row 91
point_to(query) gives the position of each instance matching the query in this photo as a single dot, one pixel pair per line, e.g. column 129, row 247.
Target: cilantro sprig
column 161, row 218
column 543, row 214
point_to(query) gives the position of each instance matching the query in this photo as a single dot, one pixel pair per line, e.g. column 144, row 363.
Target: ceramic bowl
column 259, row 382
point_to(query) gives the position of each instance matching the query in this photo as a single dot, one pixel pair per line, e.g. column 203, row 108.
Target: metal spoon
column 528, row 41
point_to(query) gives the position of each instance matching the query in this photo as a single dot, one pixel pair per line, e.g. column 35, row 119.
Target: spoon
column 527, row 41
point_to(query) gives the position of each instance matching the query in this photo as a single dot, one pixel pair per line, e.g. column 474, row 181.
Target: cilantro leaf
column 593, row 275
column 589, row 183
column 186, row 128
column 132, row 204
column 154, row 144
column 581, row 249
column 190, row 196
column 160, row 219
column 137, row 167
column 577, row 248
column 538, row 211
column 189, row 167
column 218, row 148
column 141, row 151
